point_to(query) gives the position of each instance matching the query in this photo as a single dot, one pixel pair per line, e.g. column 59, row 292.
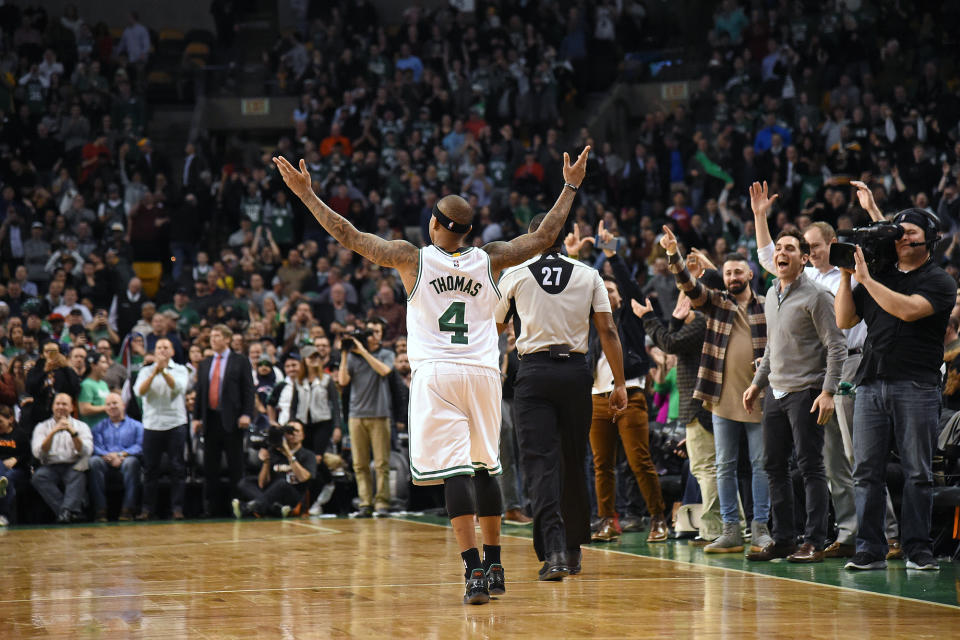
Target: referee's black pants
column 553, row 407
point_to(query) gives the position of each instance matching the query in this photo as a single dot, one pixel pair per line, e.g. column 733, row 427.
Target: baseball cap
column 307, row 351
column 37, row 225
column 264, row 362
column 53, row 317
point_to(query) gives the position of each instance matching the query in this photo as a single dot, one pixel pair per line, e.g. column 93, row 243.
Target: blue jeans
column 8, row 504
column 129, row 470
column 726, row 435
column 909, row 412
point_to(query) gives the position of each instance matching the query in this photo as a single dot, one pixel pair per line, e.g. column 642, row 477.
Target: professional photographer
column 284, row 475
column 906, row 310
column 366, row 367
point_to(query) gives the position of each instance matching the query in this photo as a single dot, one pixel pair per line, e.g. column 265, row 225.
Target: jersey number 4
column 453, row 320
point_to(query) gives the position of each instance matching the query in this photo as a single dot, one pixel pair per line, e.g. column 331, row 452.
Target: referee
column 550, row 299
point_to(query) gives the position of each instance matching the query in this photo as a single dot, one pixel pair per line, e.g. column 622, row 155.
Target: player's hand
column 243, row 422
column 750, row 396
column 760, row 201
column 263, row 455
column 337, row 435
column 668, row 241
column 574, row 173
column 823, row 406
column 299, row 181
column 618, row 400
column 574, row 243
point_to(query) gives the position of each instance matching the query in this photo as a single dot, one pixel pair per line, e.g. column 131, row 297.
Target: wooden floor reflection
column 393, row 578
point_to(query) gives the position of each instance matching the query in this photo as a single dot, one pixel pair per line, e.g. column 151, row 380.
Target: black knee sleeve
column 459, row 495
column 489, row 498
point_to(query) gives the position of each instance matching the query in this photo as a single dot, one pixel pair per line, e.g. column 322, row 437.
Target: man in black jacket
column 684, row 337
column 224, row 407
column 632, row 425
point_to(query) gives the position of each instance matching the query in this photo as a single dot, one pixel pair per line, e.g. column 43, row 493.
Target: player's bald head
column 456, row 208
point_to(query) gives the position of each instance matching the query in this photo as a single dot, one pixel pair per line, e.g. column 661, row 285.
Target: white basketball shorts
column 454, row 421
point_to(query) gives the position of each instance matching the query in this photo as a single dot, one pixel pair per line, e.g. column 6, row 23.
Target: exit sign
column 255, row 106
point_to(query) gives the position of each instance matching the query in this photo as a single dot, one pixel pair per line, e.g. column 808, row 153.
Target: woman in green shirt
column 93, row 391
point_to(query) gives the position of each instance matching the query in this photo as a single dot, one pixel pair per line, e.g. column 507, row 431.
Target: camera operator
column 366, row 367
column 284, row 476
column 906, row 310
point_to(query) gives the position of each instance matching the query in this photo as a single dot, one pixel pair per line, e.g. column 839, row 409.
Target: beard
column 736, row 288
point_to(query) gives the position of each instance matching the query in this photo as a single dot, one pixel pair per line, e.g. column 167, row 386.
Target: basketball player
column 455, row 392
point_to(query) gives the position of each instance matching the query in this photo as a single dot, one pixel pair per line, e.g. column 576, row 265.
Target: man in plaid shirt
column 735, row 340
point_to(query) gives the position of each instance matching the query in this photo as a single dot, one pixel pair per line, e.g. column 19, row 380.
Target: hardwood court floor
column 399, row 578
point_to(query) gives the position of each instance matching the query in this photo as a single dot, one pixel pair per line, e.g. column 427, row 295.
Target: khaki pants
column 703, row 465
column 634, row 432
column 368, row 434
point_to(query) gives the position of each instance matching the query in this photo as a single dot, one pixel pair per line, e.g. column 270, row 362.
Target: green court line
column 935, row 587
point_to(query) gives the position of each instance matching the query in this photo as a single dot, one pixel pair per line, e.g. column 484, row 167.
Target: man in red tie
column 224, row 407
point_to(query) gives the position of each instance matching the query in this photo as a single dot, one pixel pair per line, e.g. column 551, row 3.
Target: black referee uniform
column 550, row 299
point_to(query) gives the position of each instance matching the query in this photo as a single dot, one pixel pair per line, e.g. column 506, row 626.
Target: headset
column 926, row 220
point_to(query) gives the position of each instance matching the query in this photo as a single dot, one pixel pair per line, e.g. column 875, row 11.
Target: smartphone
column 613, row 245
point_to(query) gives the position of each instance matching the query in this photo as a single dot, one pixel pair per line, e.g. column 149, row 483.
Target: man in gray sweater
column 802, row 364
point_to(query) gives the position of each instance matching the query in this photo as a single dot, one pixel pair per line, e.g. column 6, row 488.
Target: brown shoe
column 101, row 516
column 840, row 550
column 516, row 516
column 894, row 552
column 658, row 529
column 806, row 554
column 178, row 514
column 126, row 515
column 144, row 515
column 607, row 533
column 772, row 551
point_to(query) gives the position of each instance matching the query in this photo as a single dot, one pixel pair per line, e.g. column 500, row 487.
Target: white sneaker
column 3, row 521
column 285, row 510
column 326, row 493
column 237, row 513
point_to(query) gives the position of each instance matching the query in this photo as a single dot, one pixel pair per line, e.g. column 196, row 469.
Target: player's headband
column 449, row 224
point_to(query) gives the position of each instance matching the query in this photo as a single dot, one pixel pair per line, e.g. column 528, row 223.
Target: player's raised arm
column 398, row 254
column 524, row 247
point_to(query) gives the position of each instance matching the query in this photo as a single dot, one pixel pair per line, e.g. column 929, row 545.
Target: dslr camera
column 275, row 436
column 878, row 242
column 348, row 341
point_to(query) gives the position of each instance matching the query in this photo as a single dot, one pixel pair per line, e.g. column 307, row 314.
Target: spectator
column 281, row 485
column 62, row 446
column 51, row 375
column 94, row 390
column 365, row 368
column 14, row 465
column 117, row 448
column 224, row 408
column 161, row 387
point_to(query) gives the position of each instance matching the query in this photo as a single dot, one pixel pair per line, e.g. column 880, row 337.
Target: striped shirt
column 719, row 307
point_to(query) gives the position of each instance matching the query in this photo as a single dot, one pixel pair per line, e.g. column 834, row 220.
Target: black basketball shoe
column 495, row 582
column 476, row 592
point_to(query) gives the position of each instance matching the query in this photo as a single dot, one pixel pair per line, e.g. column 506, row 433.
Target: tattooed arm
column 398, row 254
column 508, row 254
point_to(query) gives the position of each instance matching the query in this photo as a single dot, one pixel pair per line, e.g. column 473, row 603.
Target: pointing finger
column 566, row 159
column 303, row 165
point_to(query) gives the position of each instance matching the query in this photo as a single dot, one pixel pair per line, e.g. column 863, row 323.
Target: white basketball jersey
column 450, row 310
